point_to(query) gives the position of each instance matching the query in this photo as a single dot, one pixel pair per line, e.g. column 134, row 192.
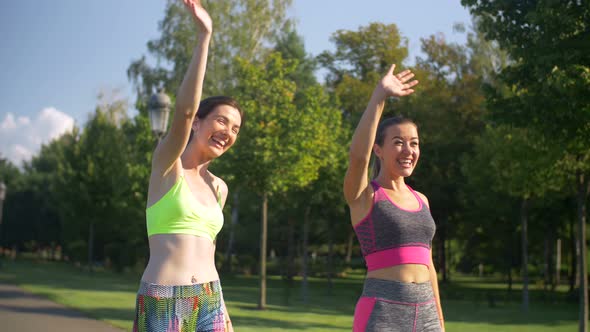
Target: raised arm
column 189, row 95
column 356, row 178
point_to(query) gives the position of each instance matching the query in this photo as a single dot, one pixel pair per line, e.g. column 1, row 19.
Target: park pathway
column 21, row 311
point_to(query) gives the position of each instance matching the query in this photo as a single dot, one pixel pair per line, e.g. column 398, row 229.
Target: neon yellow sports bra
column 176, row 213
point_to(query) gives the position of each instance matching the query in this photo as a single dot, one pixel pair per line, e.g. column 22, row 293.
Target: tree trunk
column 1, row 233
column 288, row 272
column 513, row 244
column 557, row 264
column 291, row 249
column 546, row 264
column 449, row 260
column 509, row 279
column 263, row 236
column 330, row 261
column 573, row 258
column 304, row 285
column 349, row 247
column 90, row 244
column 550, row 262
column 525, row 273
column 581, row 250
column 232, row 231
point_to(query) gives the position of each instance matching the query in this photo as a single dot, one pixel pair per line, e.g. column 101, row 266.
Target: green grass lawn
column 111, row 297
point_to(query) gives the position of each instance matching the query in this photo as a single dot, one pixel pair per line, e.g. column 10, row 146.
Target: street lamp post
column 2, row 197
column 159, row 108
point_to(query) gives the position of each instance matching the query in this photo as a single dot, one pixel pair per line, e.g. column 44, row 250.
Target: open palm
column 200, row 15
column 398, row 85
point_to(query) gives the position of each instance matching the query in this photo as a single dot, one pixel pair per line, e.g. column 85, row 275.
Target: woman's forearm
column 362, row 139
column 190, row 90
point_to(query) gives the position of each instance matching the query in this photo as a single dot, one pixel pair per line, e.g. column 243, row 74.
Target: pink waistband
column 397, row 256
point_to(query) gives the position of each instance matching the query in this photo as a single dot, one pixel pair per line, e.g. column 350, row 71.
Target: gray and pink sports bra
column 390, row 235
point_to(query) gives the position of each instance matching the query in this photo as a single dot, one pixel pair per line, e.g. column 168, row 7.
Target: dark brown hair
column 380, row 137
column 207, row 106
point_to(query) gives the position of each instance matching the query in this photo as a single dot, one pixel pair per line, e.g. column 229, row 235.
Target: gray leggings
column 395, row 306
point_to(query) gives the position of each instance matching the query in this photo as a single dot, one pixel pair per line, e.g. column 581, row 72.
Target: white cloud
column 21, row 138
column 21, row 152
column 8, row 122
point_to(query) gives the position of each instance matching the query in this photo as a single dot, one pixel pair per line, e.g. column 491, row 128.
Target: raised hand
column 397, row 85
column 200, row 15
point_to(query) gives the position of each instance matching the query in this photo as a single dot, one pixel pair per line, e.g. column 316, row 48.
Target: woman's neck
column 192, row 159
column 394, row 183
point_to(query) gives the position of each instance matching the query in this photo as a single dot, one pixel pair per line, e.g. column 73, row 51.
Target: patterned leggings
column 197, row 307
column 394, row 306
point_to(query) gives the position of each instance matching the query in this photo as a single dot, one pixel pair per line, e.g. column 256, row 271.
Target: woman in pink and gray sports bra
column 392, row 221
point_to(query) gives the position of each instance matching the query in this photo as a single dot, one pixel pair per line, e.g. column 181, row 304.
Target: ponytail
column 376, row 166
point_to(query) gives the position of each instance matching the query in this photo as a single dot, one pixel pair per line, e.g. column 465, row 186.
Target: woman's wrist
column 205, row 36
column 379, row 94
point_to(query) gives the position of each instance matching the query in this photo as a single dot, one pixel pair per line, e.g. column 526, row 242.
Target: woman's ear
column 196, row 124
column 377, row 150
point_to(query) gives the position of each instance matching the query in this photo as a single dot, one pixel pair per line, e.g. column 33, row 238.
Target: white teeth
column 222, row 143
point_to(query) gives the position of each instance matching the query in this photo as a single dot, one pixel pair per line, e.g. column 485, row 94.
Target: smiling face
column 399, row 151
column 218, row 130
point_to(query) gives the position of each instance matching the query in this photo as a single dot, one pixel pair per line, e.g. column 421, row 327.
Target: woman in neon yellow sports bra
column 180, row 288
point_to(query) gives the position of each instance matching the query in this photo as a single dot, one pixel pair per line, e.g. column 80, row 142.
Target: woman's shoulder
column 219, row 184
column 422, row 197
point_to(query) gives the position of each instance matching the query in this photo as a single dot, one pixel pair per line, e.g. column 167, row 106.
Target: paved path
column 23, row 312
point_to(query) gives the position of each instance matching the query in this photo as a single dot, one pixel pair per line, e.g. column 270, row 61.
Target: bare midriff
column 408, row 273
column 180, row 259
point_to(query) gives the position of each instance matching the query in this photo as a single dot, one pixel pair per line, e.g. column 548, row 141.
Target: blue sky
column 58, row 55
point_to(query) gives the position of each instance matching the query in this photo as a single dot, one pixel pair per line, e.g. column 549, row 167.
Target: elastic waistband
column 396, row 291
column 179, row 291
column 397, row 256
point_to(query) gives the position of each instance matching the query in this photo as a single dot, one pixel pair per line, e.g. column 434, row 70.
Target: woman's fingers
column 401, row 83
column 402, row 74
column 391, row 69
column 192, row 2
column 410, row 85
column 200, row 15
column 405, row 76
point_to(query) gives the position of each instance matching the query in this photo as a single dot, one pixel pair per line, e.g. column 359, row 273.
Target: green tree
column 549, row 82
column 243, row 28
column 282, row 147
column 12, row 178
column 100, row 188
column 291, row 47
column 517, row 162
column 358, row 62
column 321, row 199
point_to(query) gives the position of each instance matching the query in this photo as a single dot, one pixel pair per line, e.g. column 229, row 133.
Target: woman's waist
column 179, row 259
column 179, row 245
column 179, row 272
column 410, row 293
column 180, row 291
column 406, row 273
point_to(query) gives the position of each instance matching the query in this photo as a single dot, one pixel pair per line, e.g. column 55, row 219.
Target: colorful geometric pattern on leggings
column 162, row 308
